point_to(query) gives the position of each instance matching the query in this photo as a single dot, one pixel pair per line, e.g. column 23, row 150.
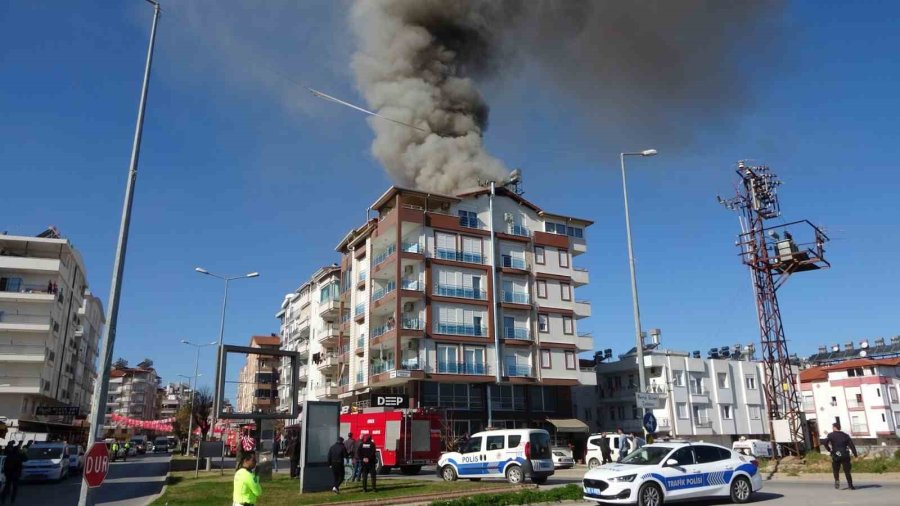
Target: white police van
column 674, row 472
column 514, row 454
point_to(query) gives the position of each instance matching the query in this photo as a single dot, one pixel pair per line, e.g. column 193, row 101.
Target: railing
column 460, row 256
column 413, row 324
column 24, row 318
column 410, row 364
column 382, row 330
column 519, row 230
column 361, row 276
column 412, row 247
column 359, row 377
column 517, row 333
column 22, row 349
column 20, row 381
column 859, row 428
column 359, row 309
column 516, row 297
column 412, row 284
column 381, row 292
column 854, row 403
column 345, row 317
column 345, row 348
column 469, row 221
column 380, row 259
column 382, row 367
column 462, row 292
column 703, row 423
column 361, row 342
column 461, row 368
column 29, row 288
column 512, row 262
column 459, row 329
column 809, row 405
column 518, row 370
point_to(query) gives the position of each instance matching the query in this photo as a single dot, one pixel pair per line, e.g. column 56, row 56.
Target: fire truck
column 233, row 435
column 405, row 438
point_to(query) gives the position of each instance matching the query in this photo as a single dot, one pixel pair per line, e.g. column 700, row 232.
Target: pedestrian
column 293, row 450
column 626, row 446
column 357, row 463
column 276, row 446
column 12, row 469
column 127, row 446
column 638, row 441
column 336, row 455
column 605, row 452
column 115, row 450
column 369, row 455
column 246, row 482
column 839, row 445
column 349, row 446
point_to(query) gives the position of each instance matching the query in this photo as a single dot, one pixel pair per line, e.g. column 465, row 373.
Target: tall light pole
column 220, row 379
column 638, row 339
column 108, row 340
column 194, row 384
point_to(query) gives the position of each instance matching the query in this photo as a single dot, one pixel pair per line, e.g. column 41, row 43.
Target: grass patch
column 530, row 496
column 821, row 463
column 211, row 489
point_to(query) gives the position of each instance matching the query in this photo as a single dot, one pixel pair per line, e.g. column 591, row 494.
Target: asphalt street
column 130, row 483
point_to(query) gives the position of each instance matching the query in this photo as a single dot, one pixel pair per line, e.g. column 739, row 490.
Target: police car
column 674, row 471
column 514, row 454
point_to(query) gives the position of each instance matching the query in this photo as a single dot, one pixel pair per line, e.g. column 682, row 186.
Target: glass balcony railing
column 517, row 333
column 412, row 284
column 513, row 262
column 460, row 256
column 464, row 292
column 361, row 276
column 410, row 364
column 461, row 329
column 360, row 309
column 382, row 330
column 518, row 370
column 413, row 247
column 381, row 292
column 519, row 230
column 516, row 297
column 361, row 342
column 384, row 366
column 380, row 259
column 461, row 368
column 413, row 324
column 359, row 377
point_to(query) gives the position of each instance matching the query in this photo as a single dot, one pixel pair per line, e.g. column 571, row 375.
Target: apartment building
column 173, row 396
column 257, row 390
column 133, row 393
column 713, row 399
column 415, row 310
column 862, row 395
column 50, row 325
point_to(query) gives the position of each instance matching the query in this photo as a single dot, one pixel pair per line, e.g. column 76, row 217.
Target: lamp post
column 194, row 385
column 639, row 340
column 220, row 380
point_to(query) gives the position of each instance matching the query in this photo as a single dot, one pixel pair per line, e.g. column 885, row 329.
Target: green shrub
column 897, row 454
column 528, row 496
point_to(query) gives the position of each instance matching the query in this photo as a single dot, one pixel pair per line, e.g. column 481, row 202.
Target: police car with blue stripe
column 514, row 454
column 674, row 471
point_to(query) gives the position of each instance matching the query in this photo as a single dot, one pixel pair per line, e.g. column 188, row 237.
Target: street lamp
column 194, row 386
column 639, row 340
column 220, row 380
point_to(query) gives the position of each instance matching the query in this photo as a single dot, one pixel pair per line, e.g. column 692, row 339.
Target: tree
column 182, row 420
column 120, row 363
column 203, row 403
column 145, row 364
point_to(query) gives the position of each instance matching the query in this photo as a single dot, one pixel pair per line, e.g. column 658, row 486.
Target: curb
column 152, row 498
column 427, row 498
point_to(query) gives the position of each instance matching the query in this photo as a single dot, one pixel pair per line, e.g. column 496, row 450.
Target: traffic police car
column 674, row 471
column 514, row 454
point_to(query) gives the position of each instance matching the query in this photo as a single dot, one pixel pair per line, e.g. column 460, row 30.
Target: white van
column 514, row 454
column 594, row 457
column 753, row 447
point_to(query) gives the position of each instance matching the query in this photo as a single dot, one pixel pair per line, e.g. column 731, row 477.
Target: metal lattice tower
column 772, row 258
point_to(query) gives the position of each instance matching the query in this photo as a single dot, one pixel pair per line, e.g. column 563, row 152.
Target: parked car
column 173, row 443
column 594, row 457
column 161, row 444
column 76, row 459
column 562, row 459
column 514, row 454
column 46, row 461
column 139, row 443
column 664, row 472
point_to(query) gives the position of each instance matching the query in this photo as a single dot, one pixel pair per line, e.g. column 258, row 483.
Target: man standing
column 336, row 455
column 276, row 447
column 349, row 445
column 839, row 445
column 127, row 445
column 115, row 450
column 638, row 441
column 369, row 455
column 246, row 482
column 12, row 469
column 604, row 449
column 293, row 450
column 357, row 463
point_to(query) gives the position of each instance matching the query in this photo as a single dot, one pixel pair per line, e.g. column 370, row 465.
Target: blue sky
column 242, row 170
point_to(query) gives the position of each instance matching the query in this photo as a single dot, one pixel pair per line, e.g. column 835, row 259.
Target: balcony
column 580, row 276
column 382, row 292
column 328, row 334
column 382, row 329
column 25, row 322
column 27, row 293
column 383, row 256
column 20, row 385
column 516, row 297
column 460, row 329
column 460, row 256
column 517, row 333
column 854, row 403
column 461, row 292
column 326, row 391
column 382, row 367
column 412, row 323
column 359, row 312
column 302, row 347
column 327, row 362
column 511, row 262
column 329, row 308
column 702, row 423
column 462, row 368
column 415, row 284
column 858, row 429
column 577, row 245
column 413, row 247
column 585, row 341
column 302, row 373
column 22, row 353
column 518, row 371
column 518, row 230
column 582, row 309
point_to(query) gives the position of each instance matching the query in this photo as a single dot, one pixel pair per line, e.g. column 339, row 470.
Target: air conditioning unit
column 407, row 270
column 409, row 306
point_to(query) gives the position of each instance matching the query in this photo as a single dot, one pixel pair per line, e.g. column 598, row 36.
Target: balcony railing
column 459, row 329
column 359, row 309
column 517, row 333
column 413, row 247
column 519, row 230
column 380, row 259
column 29, row 288
column 513, row 262
column 385, row 366
column 460, row 256
column 22, row 349
column 361, row 276
column 702, row 423
column 461, row 368
column 381, row 292
column 416, row 284
column 361, row 342
column 359, row 377
column 516, row 297
column 854, row 403
column 24, row 318
column 413, row 324
column 518, row 370
column 859, row 428
column 463, row 292
column 382, row 330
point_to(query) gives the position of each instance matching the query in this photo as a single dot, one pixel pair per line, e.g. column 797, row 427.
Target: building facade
column 713, row 399
column 861, row 395
column 412, row 309
column 50, row 325
column 257, row 390
column 174, row 395
column 133, row 393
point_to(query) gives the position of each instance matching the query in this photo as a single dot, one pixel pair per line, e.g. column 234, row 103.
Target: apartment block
column 174, row 395
column 713, row 399
column 257, row 390
column 50, row 325
column 862, row 395
column 133, row 393
column 417, row 312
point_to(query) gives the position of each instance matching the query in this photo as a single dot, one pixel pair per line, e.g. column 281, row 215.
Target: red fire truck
column 232, row 435
column 408, row 439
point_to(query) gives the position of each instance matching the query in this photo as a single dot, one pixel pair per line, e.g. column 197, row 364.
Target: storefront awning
column 569, row 425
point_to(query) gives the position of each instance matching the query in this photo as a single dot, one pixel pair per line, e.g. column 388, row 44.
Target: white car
column 562, row 459
column 76, row 459
column 514, row 454
column 672, row 472
column 46, row 461
column 594, row 457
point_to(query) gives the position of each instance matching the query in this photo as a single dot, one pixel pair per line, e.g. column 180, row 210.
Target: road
column 130, row 483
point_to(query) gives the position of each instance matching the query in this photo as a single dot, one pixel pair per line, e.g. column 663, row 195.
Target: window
column 893, row 393
column 878, row 393
column 514, row 441
column 754, row 412
column 563, row 258
column 539, row 257
column 722, row 379
column 727, row 413
column 678, row 378
column 543, row 323
column 545, row 359
column 474, row 445
column 495, row 443
column 697, row 385
column 750, row 381
column 565, row 291
column 707, row 454
column 570, row 359
column 541, row 289
column 883, row 418
column 568, row 327
column 681, row 407
column 701, row 417
column 684, row 456
column 468, row 219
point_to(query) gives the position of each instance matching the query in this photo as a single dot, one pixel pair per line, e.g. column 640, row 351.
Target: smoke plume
column 656, row 69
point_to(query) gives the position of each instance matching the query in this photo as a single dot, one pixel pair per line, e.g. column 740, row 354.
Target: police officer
column 369, row 456
column 839, row 445
column 336, row 455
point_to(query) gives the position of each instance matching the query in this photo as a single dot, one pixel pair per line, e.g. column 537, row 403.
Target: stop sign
column 96, row 464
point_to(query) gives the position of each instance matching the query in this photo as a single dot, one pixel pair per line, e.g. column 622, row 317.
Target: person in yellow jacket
column 246, row 482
